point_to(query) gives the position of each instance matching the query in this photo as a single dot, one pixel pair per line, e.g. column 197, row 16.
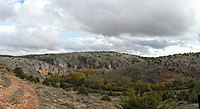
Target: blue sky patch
column 71, row 35
column 21, row 1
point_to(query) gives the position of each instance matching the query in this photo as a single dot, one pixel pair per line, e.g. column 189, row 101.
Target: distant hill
column 82, row 60
column 150, row 69
column 39, row 65
column 161, row 69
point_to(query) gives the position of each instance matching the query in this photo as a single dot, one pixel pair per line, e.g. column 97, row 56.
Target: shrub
column 194, row 92
column 19, row 72
column 77, row 75
column 149, row 101
column 91, row 83
column 54, row 84
column 31, row 78
column 83, row 90
column 63, row 85
column 22, row 76
column 46, row 82
column 37, row 79
column 106, row 98
column 56, row 78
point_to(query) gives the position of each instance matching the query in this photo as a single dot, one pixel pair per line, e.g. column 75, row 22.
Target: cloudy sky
column 141, row 27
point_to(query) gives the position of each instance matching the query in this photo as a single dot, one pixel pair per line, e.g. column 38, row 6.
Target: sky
column 139, row 27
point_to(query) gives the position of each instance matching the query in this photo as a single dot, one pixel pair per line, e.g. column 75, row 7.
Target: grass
column 7, row 81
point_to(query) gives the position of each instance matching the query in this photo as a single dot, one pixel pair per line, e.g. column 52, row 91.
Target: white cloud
column 145, row 27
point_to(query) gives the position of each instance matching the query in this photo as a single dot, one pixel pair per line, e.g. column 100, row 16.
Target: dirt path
column 19, row 95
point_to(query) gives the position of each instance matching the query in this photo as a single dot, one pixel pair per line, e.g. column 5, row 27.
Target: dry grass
column 6, row 81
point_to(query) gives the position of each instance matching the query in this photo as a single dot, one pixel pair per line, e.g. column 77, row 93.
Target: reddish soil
column 28, row 99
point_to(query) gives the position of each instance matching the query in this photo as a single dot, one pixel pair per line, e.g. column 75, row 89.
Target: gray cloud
column 6, row 11
column 35, row 40
column 144, row 17
column 121, row 44
column 153, row 43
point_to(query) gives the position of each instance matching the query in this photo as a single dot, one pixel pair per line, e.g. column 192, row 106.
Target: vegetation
column 135, row 95
column 138, row 88
column 83, row 90
column 148, row 101
column 19, row 72
column 106, row 98
column 46, row 82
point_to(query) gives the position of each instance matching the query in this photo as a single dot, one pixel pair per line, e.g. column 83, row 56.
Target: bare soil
column 19, row 95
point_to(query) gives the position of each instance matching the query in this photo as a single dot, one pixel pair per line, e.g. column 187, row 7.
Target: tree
column 77, row 75
column 89, row 72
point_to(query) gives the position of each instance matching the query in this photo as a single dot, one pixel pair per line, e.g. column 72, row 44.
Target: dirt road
column 18, row 95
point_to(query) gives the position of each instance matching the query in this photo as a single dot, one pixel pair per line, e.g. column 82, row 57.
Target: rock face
column 38, row 65
column 82, row 60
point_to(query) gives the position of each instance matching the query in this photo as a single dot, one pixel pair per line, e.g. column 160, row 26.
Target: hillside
column 100, row 80
column 158, row 69
column 39, row 65
column 94, row 60
column 162, row 69
column 19, row 94
column 15, row 93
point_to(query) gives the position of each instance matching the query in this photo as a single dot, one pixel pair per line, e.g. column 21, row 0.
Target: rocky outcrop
column 82, row 60
column 39, row 65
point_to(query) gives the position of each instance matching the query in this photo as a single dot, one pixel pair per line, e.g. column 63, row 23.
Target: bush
column 110, row 93
column 54, row 84
column 19, row 72
column 106, row 98
column 37, row 79
column 194, row 92
column 56, row 78
column 46, row 82
column 77, row 75
column 149, row 101
column 31, row 78
column 63, row 85
column 22, row 76
column 83, row 90
column 90, row 83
